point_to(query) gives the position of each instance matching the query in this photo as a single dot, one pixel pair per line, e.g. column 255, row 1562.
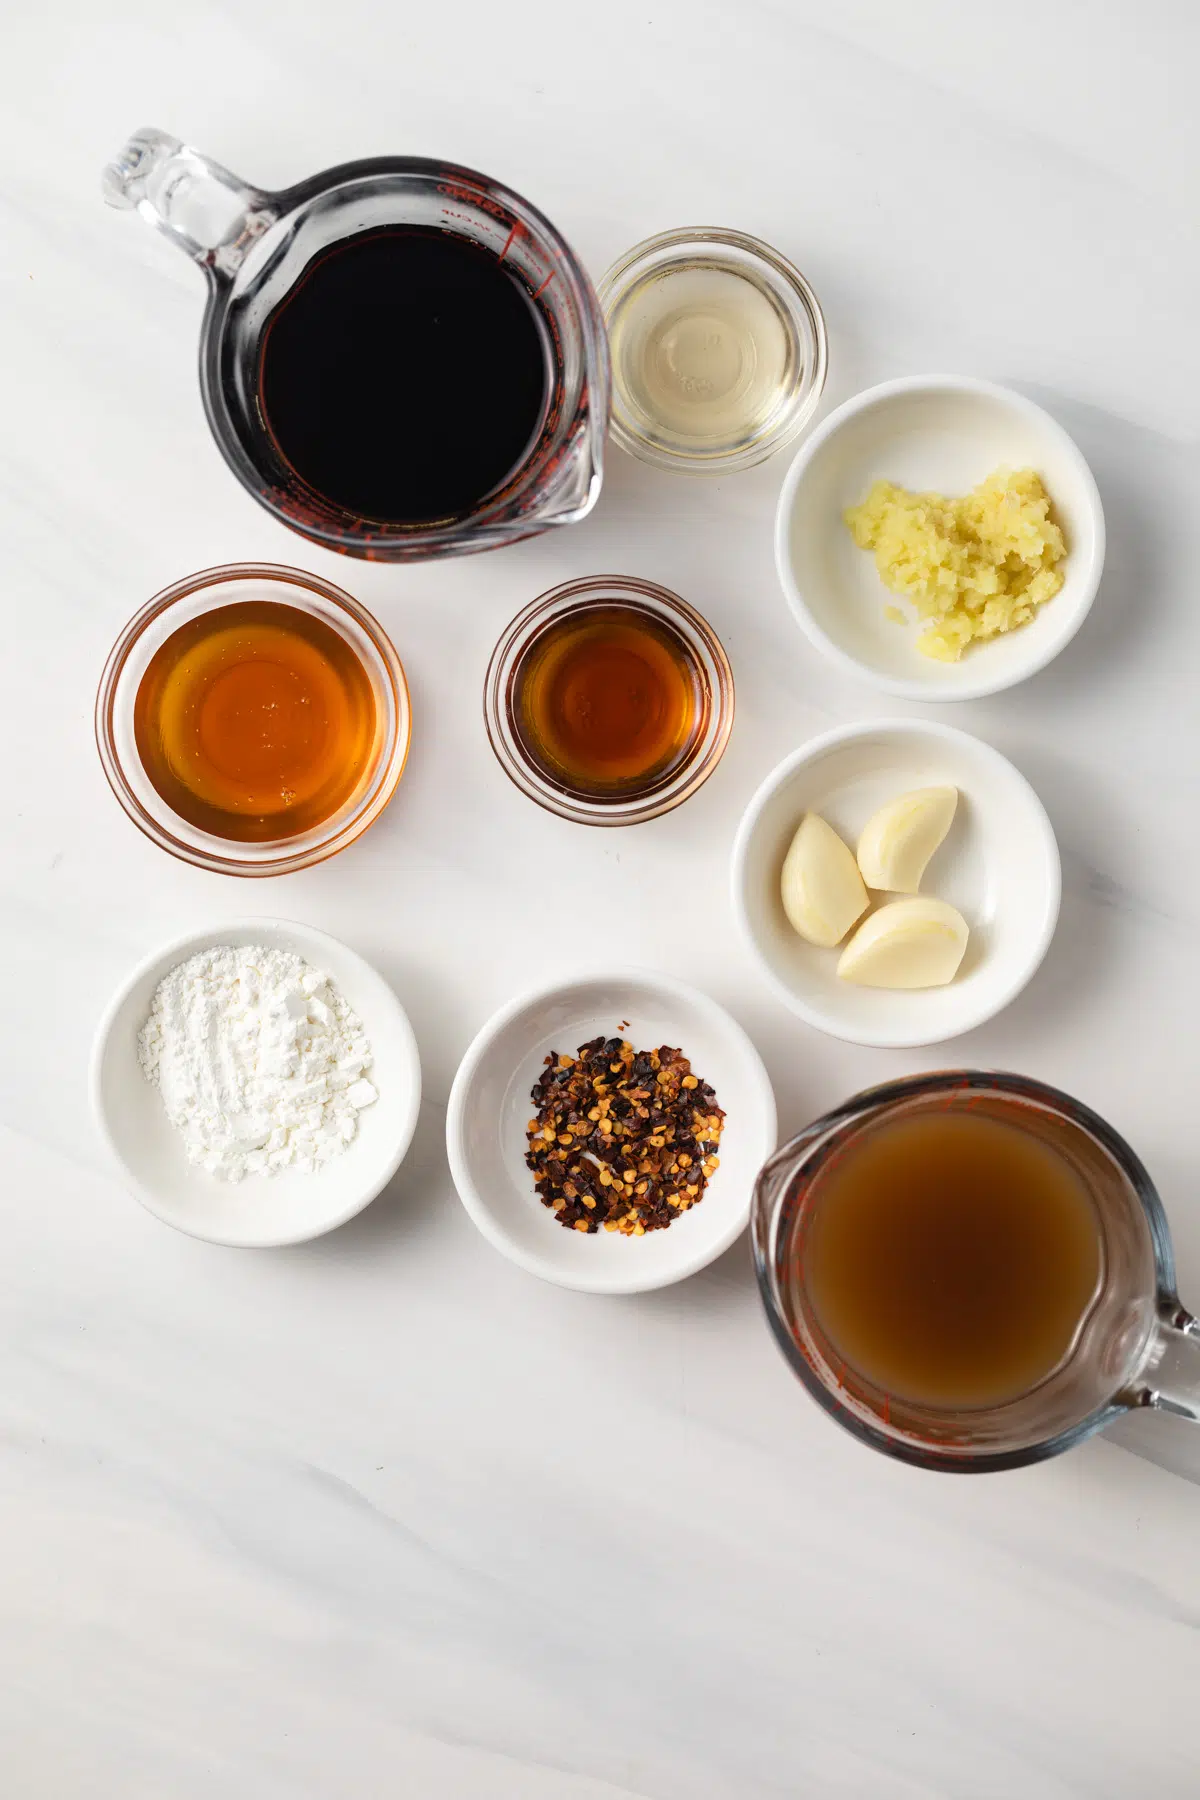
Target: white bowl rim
column 914, row 689
column 468, row 1193
column 817, row 747
column 190, row 941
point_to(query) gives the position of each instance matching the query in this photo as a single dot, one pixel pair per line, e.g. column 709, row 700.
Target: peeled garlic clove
column 822, row 889
column 900, row 838
column 916, row 943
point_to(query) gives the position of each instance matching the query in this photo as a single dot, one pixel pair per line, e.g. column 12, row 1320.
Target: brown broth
column 256, row 721
column 951, row 1258
column 608, row 701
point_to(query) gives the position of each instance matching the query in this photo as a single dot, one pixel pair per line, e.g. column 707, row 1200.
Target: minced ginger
column 975, row 566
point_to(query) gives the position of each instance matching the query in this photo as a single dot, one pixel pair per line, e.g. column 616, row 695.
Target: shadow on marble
column 638, row 491
column 1129, row 600
column 1071, row 979
column 727, row 1286
column 1173, row 1444
column 407, row 1209
column 417, row 1194
column 1170, row 1444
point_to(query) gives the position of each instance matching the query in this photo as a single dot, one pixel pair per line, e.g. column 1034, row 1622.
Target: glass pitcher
column 1136, row 1347
column 254, row 245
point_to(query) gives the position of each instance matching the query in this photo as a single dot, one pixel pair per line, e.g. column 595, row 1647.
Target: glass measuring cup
column 255, row 245
column 1137, row 1346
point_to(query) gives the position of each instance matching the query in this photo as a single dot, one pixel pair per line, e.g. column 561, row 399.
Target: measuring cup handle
column 1170, row 1376
column 199, row 205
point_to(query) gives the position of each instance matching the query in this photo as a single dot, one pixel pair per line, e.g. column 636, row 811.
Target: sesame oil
column 256, row 721
column 608, row 701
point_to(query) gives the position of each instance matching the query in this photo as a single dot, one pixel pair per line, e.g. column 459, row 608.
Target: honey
column 256, row 721
column 608, row 701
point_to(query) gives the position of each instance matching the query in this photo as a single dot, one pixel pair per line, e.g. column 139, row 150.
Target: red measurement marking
column 950, row 1098
column 545, row 284
column 472, row 196
column 509, row 239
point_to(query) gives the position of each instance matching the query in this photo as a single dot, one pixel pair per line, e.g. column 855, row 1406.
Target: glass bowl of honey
column 253, row 719
column 609, row 700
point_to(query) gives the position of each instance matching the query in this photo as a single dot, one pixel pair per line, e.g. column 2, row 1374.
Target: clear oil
column 702, row 357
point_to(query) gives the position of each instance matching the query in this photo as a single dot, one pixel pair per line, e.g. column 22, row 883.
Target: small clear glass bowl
column 190, row 599
column 714, row 679
column 791, row 298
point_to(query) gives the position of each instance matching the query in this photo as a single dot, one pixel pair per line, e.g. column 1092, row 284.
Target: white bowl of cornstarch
column 258, row 1083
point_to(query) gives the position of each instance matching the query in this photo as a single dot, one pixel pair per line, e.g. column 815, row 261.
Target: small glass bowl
column 713, row 673
column 792, row 299
column 190, row 599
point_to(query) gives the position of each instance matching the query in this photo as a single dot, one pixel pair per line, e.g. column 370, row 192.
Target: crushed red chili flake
column 622, row 1138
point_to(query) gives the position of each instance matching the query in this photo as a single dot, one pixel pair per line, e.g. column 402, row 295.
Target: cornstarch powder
column 260, row 1062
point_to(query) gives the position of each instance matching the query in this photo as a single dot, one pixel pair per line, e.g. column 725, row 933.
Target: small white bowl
column 999, row 866
column 490, row 1109
column 260, row 1210
column 941, row 432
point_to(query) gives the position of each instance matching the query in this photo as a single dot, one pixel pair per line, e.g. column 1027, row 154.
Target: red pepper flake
column 622, row 1138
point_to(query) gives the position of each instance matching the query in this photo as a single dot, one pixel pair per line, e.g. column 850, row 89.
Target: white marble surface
column 382, row 1516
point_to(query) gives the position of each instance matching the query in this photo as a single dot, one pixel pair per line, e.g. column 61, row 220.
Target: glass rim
column 764, row 1209
column 712, row 668
column 499, row 516
column 220, row 855
column 793, row 417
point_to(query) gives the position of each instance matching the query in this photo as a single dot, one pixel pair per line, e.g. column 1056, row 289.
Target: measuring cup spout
column 573, row 485
column 256, row 248
column 202, row 207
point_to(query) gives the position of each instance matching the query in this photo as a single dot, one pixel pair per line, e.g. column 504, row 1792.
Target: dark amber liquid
column 406, row 376
column 951, row 1258
column 255, row 721
column 608, row 701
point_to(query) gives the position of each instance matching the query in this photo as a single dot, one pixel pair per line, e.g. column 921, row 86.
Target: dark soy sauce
column 405, row 376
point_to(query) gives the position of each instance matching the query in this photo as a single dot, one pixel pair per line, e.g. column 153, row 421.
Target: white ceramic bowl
column 281, row 1209
column 944, row 432
column 490, row 1109
column 999, row 866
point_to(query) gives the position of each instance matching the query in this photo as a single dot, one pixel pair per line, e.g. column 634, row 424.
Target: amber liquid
column 951, row 1258
column 608, row 701
column 256, row 721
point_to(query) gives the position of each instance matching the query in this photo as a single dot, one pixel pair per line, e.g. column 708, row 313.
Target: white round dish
column 999, row 866
column 259, row 1211
column 490, row 1109
column 941, row 432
